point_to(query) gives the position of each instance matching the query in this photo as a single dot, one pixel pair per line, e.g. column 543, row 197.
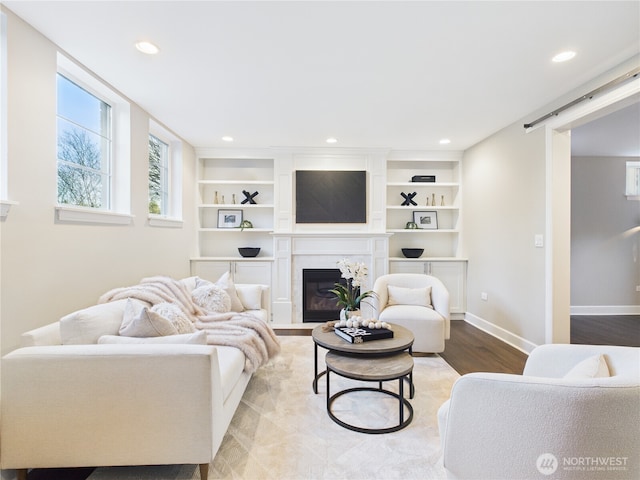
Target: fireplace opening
column 318, row 303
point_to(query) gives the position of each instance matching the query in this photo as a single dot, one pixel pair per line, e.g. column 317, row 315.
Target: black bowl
column 249, row 251
column 412, row 252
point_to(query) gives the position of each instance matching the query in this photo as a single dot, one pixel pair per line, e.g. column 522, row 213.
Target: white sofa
column 418, row 302
column 74, row 405
column 557, row 420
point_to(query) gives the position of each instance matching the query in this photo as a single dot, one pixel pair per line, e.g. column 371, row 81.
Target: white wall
column 504, row 208
column 48, row 268
column 508, row 198
column 605, row 244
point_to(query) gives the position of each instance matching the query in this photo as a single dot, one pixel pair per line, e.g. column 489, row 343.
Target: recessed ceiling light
column 332, row 140
column 564, row 56
column 227, row 138
column 147, row 47
column 445, row 141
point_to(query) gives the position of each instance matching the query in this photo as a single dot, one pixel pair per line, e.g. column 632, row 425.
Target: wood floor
column 606, row 330
column 468, row 350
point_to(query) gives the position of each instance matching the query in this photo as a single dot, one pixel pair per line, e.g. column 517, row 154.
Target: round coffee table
column 378, row 369
column 325, row 337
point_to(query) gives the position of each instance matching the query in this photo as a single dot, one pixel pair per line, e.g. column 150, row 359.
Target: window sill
column 90, row 215
column 5, row 207
column 166, row 222
column 633, row 197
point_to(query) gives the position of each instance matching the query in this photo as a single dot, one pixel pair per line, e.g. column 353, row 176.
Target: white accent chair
column 417, row 302
column 550, row 422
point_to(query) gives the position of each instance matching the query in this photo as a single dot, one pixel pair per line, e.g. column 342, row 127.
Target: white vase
column 345, row 314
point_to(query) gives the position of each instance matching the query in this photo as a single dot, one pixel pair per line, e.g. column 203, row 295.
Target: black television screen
column 338, row 196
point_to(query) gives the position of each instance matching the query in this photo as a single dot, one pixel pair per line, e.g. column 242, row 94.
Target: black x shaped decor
column 249, row 197
column 408, row 199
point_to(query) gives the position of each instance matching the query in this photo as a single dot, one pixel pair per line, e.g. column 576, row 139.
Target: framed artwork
column 229, row 218
column 426, row 220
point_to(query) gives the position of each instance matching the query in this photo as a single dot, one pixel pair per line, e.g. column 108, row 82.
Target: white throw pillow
column 409, row 296
column 197, row 338
column 175, row 315
column 592, row 367
column 142, row 322
column 227, row 284
column 189, row 283
column 250, row 296
column 85, row 326
column 212, row 298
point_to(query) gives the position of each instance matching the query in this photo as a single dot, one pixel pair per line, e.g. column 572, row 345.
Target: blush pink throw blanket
column 242, row 330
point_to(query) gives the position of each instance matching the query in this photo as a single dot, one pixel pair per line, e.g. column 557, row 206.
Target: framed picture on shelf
column 426, row 220
column 229, row 218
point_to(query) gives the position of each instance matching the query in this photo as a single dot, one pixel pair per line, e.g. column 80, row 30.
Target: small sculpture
column 442, row 200
column 408, row 199
column 249, row 197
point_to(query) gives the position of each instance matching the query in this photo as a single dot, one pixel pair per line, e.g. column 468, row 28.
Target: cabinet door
column 252, row 272
column 407, row 267
column 210, row 270
column 453, row 275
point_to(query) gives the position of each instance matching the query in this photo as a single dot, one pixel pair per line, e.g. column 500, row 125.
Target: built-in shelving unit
column 221, row 182
column 287, row 248
column 441, row 196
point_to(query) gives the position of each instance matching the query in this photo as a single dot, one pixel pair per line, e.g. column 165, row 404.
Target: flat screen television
column 325, row 196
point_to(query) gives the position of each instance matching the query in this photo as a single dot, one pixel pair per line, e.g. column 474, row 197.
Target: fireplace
column 318, row 303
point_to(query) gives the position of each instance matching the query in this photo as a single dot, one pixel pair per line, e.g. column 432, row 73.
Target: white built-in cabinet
column 242, row 270
column 220, row 183
column 222, row 175
column 440, row 200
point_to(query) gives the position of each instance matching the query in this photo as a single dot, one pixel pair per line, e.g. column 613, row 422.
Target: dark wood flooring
column 468, row 350
column 606, row 330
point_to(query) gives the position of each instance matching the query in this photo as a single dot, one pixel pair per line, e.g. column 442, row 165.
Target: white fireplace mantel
column 297, row 251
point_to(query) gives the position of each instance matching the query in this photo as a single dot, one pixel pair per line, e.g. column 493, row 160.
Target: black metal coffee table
column 371, row 369
column 325, row 337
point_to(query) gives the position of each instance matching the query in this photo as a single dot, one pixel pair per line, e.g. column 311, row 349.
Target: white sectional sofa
column 68, row 401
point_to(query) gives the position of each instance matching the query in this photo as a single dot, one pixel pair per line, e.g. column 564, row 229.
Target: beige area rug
column 281, row 430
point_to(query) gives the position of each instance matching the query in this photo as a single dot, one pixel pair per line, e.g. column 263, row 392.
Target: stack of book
column 362, row 334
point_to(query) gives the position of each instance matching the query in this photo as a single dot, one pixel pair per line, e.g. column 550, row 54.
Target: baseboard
column 500, row 333
column 605, row 310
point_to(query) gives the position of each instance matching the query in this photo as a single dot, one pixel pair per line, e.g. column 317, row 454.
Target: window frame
column 172, row 216
column 5, row 203
column 105, row 172
column 632, row 170
column 119, row 210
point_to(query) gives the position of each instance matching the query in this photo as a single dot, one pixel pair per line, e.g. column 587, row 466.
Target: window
column 84, row 147
column 633, row 180
column 165, row 177
column 158, row 176
column 5, row 204
column 94, row 149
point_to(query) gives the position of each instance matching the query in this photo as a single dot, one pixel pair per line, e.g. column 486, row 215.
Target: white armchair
column 554, row 421
column 417, row 302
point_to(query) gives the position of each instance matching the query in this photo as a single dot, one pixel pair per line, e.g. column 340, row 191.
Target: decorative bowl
column 412, row 252
column 249, row 251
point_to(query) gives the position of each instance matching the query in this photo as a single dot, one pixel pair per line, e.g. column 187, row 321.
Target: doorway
column 558, row 209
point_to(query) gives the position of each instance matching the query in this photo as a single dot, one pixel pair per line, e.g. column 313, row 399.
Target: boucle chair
column 573, row 414
column 417, row 302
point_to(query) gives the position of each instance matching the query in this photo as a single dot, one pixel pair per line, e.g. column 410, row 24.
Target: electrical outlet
column 637, row 288
column 484, row 296
column 538, row 241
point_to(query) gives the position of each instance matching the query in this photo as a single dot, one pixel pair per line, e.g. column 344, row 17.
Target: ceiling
column 371, row 74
